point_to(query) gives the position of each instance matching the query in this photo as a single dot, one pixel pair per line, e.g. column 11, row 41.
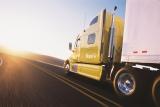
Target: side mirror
column 70, row 46
column 115, row 8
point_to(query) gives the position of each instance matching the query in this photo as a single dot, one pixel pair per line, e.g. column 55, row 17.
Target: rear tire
column 128, row 84
column 156, row 92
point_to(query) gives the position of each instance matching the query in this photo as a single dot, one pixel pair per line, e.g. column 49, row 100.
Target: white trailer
column 141, row 50
column 141, row 38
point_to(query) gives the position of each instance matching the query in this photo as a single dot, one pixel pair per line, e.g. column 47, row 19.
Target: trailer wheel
column 156, row 92
column 127, row 83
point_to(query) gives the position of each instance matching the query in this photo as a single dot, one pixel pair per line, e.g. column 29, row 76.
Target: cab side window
column 94, row 21
column 91, row 38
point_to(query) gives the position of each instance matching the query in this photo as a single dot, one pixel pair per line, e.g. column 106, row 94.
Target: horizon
column 47, row 26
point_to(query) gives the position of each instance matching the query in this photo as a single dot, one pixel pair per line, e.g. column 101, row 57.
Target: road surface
column 26, row 83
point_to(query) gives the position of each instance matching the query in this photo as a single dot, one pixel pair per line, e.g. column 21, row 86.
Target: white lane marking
column 48, row 63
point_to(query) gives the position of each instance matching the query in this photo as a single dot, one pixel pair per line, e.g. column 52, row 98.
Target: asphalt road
column 26, row 83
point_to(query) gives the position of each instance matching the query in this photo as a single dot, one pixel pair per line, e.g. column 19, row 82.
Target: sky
column 47, row 26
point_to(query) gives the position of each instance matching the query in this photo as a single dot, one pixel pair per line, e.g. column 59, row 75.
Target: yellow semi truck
column 129, row 60
column 91, row 50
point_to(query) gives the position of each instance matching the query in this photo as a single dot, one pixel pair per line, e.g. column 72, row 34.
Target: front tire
column 156, row 92
column 67, row 67
column 128, row 83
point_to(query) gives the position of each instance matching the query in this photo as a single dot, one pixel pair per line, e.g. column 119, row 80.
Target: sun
column 15, row 44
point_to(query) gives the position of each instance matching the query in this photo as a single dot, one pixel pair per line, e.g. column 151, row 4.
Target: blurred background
column 47, row 26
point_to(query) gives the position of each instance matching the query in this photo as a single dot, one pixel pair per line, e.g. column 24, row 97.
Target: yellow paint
column 118, row 23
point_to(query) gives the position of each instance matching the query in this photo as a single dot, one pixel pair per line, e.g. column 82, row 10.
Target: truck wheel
column 127, row 83
column 67, row 67
column 156, row 92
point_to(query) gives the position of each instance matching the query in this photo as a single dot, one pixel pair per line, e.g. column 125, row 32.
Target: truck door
column 91, row 41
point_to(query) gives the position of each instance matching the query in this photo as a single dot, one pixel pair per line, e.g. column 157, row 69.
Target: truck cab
column 91, row 48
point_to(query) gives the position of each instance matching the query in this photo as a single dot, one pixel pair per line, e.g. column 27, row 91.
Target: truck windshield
column 94, row 21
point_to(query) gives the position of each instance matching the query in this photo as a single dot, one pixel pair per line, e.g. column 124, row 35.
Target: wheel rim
column 67, row 67
column 157, row 94
column 126, row 84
